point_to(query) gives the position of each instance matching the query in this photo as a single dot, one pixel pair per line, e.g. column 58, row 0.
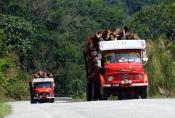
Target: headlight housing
column 140, row 76
column 110, row 78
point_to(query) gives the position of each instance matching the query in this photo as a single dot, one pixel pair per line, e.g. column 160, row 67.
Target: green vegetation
column 154, row 21
column 4, row 109
column 50, row 35
column 161, row 66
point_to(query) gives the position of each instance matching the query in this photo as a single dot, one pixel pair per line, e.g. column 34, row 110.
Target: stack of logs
column 42, row 74
column 106, row 35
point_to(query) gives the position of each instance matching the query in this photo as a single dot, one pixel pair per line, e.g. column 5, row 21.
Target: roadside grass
column 158, row 97
column 160, row 68
column 4, row 109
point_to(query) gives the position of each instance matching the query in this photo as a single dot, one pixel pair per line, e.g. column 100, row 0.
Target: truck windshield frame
column 122, row 56
column 43, row 85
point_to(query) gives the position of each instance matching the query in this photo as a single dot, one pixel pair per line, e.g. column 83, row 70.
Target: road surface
column 148, row 108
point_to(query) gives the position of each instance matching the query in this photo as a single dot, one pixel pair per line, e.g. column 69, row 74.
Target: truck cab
column 122, row 73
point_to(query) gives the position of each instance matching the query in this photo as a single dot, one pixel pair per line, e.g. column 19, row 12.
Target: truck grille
column 43, row 94
column 126, row 76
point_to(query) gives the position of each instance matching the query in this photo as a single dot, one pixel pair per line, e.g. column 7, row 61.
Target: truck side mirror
column 145, row 59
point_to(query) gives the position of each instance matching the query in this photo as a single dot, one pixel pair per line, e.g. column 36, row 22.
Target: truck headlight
column 122, row 82
column 51, row 94
column 140, row 76
column 129, row 81
column 110, row 78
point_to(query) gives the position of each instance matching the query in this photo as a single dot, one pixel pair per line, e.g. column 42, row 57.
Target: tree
column 18, row 32
column 154, row 21
column 3, row 47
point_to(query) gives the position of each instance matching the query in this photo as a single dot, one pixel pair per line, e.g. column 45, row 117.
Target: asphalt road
column 149, row 108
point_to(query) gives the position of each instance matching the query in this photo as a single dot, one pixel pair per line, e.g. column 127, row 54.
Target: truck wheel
column 33, row 101
column 89, row 91
column 52, row 100
column 121, row 96
column 104, row 94
column 95, row 91
column 144, row 92
column 136, row 96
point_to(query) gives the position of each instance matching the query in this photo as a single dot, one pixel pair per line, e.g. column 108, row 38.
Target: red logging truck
column 114, row 66
column 42, row 87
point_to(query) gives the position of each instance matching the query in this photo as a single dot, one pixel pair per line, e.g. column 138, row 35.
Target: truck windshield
column 43, row 85
column 122, row 57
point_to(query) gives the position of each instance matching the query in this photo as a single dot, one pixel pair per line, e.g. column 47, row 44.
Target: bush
column 77, row 89
column 2, row 94
column 18, row 88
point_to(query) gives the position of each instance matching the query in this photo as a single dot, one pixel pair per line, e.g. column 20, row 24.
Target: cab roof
column 122, row 44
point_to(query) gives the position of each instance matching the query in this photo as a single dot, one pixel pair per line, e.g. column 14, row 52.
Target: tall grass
column 160, row 67
column 4, row 109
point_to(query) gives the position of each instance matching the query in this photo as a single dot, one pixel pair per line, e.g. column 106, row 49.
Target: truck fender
column 102, row 80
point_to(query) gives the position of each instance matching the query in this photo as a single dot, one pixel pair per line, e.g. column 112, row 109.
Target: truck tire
column 144, row 92
column 89, row 91
column 95, row 91
column 104, row 94
column 52, row 100
column 32, row 101
column 136, row 96
column 121, row 96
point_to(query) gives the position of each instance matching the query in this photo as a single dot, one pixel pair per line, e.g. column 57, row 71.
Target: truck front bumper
column 125, row 85
column 43, row 97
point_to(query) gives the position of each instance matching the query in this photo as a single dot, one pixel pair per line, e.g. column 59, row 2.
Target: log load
column 42, row 74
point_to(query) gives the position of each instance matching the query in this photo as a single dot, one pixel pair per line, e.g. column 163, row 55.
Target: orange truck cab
column 120, row 71
column 42, row 90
